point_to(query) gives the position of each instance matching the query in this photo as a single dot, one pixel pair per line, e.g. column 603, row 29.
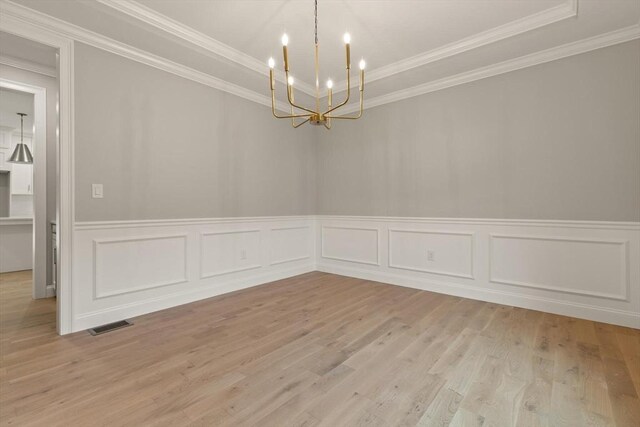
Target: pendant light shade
column 21, row 154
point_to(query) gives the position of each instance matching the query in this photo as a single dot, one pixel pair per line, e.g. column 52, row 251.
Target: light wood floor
column 318, row 349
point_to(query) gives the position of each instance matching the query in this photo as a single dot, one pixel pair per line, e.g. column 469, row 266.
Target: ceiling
column 408, row 44
column 13, row 102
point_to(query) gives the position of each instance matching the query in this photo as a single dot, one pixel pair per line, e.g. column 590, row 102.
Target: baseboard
column 51, row 291
column 581, row 311
column 138, row 308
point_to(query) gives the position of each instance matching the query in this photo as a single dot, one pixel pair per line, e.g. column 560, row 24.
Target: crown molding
column 575, row 48
column 74, row 32
column 91, row 38
column 170, row 26
column 33, row 67
column 569, row 9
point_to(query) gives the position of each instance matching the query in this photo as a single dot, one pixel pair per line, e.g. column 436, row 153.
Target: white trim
column 9, row 221
column 563, row 51
column 22, row 26
column 567, row 10
column 96, row 244
column 232, row 270
column 98, row 225
column 293, row 259
column 471, row 235
column 508, row 30
column 162, row 22
column 33, row 67
column 39, row 175
column 337, row 227
column 613, row 225
column 624, row 255
column 565, row 308
column 74, row 32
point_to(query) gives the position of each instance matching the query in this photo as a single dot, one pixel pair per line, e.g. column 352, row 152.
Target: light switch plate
column 96, row 191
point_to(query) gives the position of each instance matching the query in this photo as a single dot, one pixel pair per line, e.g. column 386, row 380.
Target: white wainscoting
column 352, row 244
column 124, row 269
column 584, row 269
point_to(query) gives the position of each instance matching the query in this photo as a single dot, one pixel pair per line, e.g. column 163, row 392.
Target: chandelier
column 315, row 116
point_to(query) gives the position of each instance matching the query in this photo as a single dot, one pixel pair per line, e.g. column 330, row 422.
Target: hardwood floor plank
column 317, row 349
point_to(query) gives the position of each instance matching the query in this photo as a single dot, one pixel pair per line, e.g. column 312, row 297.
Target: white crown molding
column 33, row 67
column 582, row 46
column 150, row 17
column 91, row 38
column 569, row 9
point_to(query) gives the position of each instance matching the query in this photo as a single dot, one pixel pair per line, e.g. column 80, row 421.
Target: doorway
column 28, row 210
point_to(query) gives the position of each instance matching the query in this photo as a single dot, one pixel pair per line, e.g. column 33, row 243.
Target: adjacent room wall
column 51, row 86
column 559, row 140
column 165, row 147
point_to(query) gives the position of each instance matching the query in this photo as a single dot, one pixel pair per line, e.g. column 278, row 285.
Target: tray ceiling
column 407, row 43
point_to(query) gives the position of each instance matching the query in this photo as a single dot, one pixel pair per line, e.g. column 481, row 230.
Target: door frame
column 40, row 229
column 24, row 23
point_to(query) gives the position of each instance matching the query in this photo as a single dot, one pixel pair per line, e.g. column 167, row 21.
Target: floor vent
column 109, row 327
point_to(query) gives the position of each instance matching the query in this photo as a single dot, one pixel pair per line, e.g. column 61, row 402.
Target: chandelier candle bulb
column 272, row 64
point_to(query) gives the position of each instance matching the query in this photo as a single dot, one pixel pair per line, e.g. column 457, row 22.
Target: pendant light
column 21, row 154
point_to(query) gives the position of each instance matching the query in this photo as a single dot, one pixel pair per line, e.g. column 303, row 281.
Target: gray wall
column 556, row 141
column 167, row 147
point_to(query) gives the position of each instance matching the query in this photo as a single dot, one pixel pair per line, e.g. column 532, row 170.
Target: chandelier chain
column 316, row 20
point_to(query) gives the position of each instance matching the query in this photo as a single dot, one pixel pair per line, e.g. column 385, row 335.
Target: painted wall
column 166, row 147
column 559, row 140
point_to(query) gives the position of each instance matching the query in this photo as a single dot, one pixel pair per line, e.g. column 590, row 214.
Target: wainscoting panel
column 133, row 264
column 436, row 252
column 584, row 269
column 127, row 268
column 291, row 244
column 351, row 244
column 226, row 252
column 575, row 266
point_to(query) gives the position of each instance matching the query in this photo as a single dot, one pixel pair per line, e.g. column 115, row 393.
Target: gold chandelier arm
column 301, row 123
column 350, row 117
column 348, row 94
column 290, row 97
column 288, row 116
column 328, row 117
